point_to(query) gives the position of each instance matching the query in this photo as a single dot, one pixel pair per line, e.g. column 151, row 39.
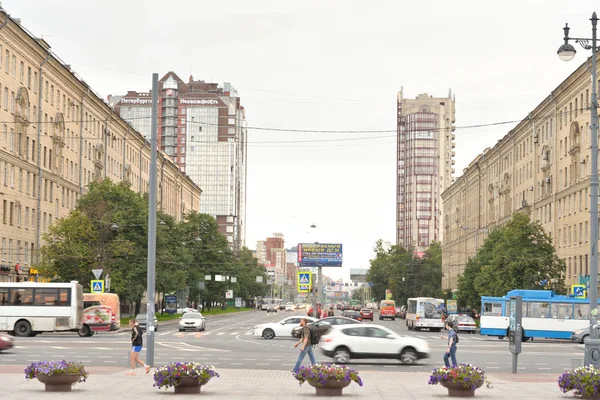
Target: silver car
column 141, row 320
column 192, row 321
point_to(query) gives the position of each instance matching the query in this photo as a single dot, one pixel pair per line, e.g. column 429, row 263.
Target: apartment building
column 56, row 137
column 542, row 168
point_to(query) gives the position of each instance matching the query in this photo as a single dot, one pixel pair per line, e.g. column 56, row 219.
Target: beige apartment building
column 424, row 169
column 540, row 168
column 57, row 136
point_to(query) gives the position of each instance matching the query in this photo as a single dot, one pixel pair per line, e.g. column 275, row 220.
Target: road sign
column 578, row 291
column 97, row 272
column 304, row 282
column 97, row 286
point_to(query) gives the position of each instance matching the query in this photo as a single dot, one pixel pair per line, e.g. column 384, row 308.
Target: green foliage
column 397, row 269
column 109, row 230
column 518, row 255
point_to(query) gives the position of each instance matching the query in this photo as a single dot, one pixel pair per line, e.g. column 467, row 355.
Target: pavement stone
column 111, row 382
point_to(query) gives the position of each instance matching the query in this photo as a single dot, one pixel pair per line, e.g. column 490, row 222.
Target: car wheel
column 268, row 334
column 181, row 330
column 584, row 338
column 408, row 356
column 341, row 355
column 22, row 329
column 393, row 319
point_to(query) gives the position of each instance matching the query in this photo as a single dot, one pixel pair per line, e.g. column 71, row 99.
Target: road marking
column 234, row 333
column 545, row 369
column 262, row 364
column 236, row 363
column 220, row 333
column 188, row 347
column 253, row 359
column 102, row 348
column 58, row 347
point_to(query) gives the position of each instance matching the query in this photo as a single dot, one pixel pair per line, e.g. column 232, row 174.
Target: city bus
column 545, row 314
column 101, row 312
column 425, row 312
column 29, row 308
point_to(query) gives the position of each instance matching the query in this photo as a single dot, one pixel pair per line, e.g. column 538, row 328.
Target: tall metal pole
column 152, row 226
column 593, row 291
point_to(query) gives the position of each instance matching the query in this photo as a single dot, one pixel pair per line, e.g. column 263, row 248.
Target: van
column 387, row 309
column 101, row 312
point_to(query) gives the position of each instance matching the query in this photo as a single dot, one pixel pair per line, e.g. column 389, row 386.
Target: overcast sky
column 325, row 65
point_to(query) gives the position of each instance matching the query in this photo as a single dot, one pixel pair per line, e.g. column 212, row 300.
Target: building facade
column 424, row 169
column 202, row 127
column 542, row 168
column 56, row 137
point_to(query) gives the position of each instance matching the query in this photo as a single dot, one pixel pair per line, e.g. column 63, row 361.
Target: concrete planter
column 58, row 383
column 188, row 386
column 458, row 390
column 330, row 388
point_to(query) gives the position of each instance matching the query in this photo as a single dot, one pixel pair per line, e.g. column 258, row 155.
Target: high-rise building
column 202, row 127
column 425, row 167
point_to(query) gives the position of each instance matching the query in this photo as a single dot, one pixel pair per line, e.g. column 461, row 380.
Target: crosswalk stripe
column 220, row 333
column 234, row 333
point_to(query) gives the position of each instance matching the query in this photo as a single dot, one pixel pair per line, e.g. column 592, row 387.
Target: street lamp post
column 566, row 52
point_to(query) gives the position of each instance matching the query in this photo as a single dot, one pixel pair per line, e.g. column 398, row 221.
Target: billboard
column 319, row 255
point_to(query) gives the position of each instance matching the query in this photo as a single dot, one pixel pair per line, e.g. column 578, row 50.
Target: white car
column 192, row 320
column 289, row 307
column 282, row 328
column 345, row 342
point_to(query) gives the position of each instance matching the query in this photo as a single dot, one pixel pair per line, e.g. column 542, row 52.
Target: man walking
column 305, row 345
column 452, row 340
column 136, row 347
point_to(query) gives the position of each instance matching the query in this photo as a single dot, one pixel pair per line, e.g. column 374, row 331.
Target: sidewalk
column 109, row 383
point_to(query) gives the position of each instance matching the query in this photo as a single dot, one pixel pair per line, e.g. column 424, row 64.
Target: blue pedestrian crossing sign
column 97, row 286
column 579, row 291
column 304, row 282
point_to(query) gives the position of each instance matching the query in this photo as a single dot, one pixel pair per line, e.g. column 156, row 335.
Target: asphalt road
column 229, row 343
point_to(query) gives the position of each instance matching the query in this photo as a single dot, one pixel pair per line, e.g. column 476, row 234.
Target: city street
column 229, row 343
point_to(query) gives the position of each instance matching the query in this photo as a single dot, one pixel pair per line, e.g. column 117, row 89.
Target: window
column 22, row 297
column 21, row 71
column 28, row 77
column 7, row 61
column 538, row 310
column 581, row 311
column 51, row 95
column 35, row 80
column 12, row 102
column 14, row 66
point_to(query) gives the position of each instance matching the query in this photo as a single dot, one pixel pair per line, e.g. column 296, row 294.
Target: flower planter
column 58, row 383
column 188, row 385
column 329, row 388
column 456, row 389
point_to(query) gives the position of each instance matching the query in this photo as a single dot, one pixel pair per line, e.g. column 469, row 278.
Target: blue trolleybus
column 545, row 314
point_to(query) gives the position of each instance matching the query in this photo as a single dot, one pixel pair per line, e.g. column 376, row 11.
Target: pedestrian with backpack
column 308, row 339
column 452, row 342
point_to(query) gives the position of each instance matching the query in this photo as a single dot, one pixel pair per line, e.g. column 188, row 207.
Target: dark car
column 352, row 314
column 322, row 326
column 366, row 313
column 282, row 306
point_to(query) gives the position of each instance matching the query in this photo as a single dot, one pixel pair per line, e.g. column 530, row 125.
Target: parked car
column 6, row 341
column 402, row 313
column 282, row 328
column 346, row 342
column 352, row 314
column 322, row 326
column 465, row 324
column 366, row 313
column 141, row 320
column 193, row 321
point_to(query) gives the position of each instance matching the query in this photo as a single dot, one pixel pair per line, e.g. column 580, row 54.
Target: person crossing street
column 305, row 344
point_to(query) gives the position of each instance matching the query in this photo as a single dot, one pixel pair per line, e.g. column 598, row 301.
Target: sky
column 324, row 65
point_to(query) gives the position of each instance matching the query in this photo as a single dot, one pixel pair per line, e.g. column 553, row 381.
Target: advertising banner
column 452, row 306
column 171, row 304
column 388, row 294
column 319, row 255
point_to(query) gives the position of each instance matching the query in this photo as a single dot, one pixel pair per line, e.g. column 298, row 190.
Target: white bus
column 28, row 308
column 425, row 312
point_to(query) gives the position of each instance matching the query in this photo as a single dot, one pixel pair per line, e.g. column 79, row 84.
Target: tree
column 518, row 255
column 397, row 269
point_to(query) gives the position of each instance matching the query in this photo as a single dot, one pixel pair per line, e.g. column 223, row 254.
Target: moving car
column 358, row 341
column 323, row 325
column 192, row 320
column 289, row 307
column 462, row 323
column 282, row 306
column 387, row 309
column 141, row 320
column 282, row 328
column 581, row 335
column 6, row 341
column 272, row 308
column 352, row 314
column 366, row 313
